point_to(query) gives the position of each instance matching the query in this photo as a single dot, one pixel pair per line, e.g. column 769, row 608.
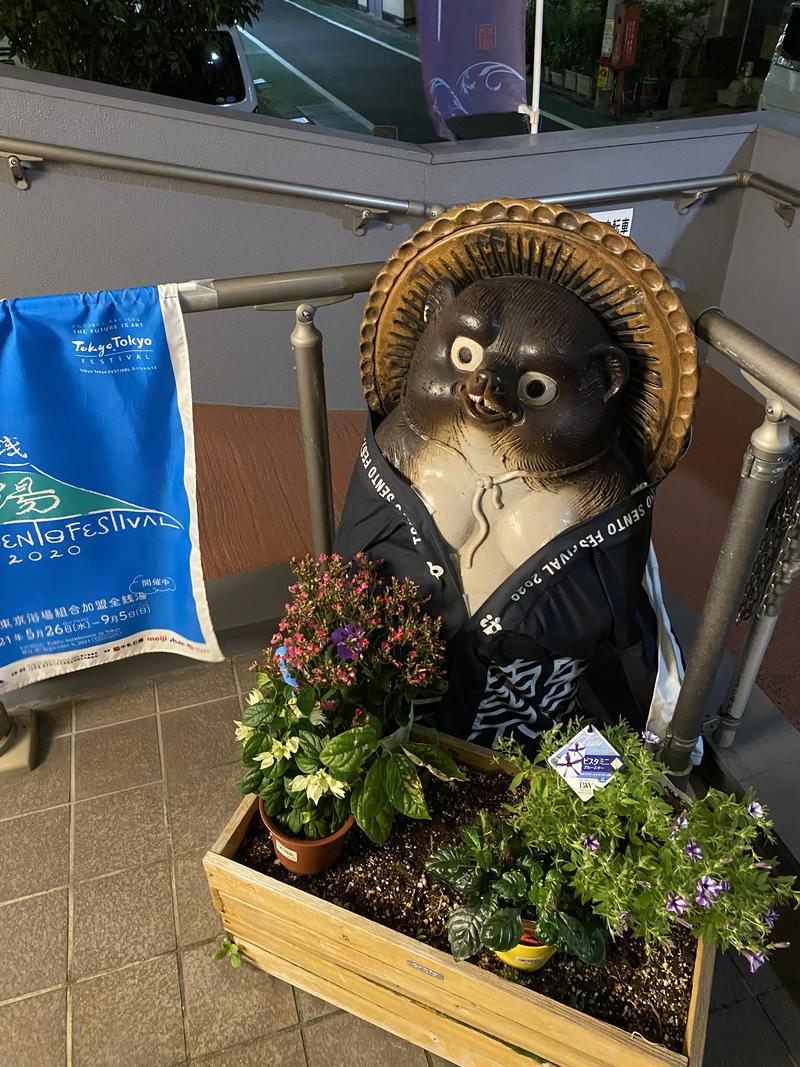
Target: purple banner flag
column 473, row 57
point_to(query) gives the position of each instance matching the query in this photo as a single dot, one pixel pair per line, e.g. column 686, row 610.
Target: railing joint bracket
column 16, row 168
column 786, row 212
column 365, row 215
column 689, row 197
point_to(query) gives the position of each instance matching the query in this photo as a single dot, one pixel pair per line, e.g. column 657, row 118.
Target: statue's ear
column 442, row 292
column 613, row 364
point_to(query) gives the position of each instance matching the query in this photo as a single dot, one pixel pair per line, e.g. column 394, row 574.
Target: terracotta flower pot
column 529, row 954
column 305, row 857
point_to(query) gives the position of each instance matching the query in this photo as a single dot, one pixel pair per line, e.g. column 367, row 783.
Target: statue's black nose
column 488, row 384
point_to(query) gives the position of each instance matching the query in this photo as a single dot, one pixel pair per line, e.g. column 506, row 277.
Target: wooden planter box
column 456, row 1010
column 571, row 80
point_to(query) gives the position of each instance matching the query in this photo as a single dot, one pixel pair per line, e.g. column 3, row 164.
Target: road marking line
column 358, row 33
column 560, row 121
column 309, row 81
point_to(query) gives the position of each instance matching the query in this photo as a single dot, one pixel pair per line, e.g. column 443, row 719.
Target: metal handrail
column 689, row 189
column 179, row 172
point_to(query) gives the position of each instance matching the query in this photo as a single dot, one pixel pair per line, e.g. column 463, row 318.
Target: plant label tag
column 289, row 853
column 587, row 762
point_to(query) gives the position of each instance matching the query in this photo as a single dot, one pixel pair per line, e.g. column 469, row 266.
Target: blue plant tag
column 587, row 762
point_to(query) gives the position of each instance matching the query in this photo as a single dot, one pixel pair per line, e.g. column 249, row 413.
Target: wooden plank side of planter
column 697, row 1024
column 350, row 969
column 369, row 948
column 414, row 1021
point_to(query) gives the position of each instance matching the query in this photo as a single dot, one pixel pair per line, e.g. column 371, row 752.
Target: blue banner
column 99, row 554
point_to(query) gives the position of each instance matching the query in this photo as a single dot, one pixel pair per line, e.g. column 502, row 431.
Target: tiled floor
column 107, row 929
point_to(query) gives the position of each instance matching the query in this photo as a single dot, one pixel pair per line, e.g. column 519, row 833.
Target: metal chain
column 778, row 559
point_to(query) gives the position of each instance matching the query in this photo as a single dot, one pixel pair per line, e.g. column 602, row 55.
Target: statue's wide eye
column 466, row 354
column 536, row 389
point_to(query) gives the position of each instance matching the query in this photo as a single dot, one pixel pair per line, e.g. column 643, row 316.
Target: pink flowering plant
column 644, row 865
column 327, row 730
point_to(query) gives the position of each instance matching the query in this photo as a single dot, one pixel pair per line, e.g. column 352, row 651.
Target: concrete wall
column 85, row 228
column 761, row 286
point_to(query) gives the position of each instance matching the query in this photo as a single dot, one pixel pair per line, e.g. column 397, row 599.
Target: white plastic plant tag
column 587, row 762
column 289, row 853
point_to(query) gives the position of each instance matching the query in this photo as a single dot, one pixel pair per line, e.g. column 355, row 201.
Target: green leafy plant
column 641, row 863
column 503, row 881
column 671, row 34
column 230, row 950
column 119, row 42
column 327, row 730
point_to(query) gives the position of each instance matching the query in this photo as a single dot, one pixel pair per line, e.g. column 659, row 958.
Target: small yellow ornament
column 529, row 954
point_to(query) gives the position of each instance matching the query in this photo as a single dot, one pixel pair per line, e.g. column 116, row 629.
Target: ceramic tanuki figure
column 508, row 427
column 531, row 376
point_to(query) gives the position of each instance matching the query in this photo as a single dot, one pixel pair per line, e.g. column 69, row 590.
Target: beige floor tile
column 311, row 1007
column 33, row 1032
column 122, row 830
column 121, row 918
column 115, row 757
column 283, row 1050
column 223, row 1003
column 33, row 944
column 197, row 917
column 117, row 705
column 130, row 1017
column 201, row 736
column 47, row 785
column 183, row 688
column 200, row 805
column 345, row 1041
column 34, row 853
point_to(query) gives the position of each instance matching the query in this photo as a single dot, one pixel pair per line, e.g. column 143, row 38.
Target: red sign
column 486, row 37
column 626, row 33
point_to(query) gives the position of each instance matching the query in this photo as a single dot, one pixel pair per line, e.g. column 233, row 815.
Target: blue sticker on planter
column 587, row 762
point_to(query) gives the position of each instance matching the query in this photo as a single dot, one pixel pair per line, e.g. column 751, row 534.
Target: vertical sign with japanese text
column 99, row 554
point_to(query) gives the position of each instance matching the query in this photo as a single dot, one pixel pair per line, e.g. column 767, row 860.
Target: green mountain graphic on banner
column 27, row 493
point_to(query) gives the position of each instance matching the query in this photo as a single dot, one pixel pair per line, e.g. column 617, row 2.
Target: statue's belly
column 492, row 529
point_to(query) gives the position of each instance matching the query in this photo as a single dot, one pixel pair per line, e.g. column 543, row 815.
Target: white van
column 781, row 90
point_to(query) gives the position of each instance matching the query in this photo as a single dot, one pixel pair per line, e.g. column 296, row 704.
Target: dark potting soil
column 647, row 995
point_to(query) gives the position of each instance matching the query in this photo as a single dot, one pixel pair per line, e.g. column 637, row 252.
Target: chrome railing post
column 764, row 464
column 784, row 570
column 309, row 371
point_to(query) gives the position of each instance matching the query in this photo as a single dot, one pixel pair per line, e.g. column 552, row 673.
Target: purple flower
column 280, row 656
column 350, row 641
column 683, row 922
column 707, row 891
column 771, row 917
column 763, row 866
column 650, row 738
column 591, row 843
column 725, row 887
column 680, row 824
column 676, row 903
column 782, row 944
column 755, row 811
column 693, row 850
column 623, row 921
column 645, row 885
column 571, row 761
column 755, row 959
